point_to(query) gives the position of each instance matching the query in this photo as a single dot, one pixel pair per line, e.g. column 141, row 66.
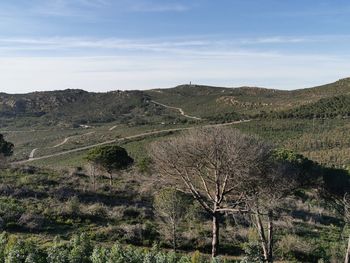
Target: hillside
column 50, row 190
column 337, row 106
column 45, row 123
column 77, row 107
column 68, row 108
column 206, row 101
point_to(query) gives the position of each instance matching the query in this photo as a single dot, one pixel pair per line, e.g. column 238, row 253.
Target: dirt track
column 145, row 134
column 182, row 112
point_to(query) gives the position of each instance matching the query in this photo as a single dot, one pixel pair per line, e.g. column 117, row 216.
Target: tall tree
column 110, row 158
column 212, row 164
column 172, row 206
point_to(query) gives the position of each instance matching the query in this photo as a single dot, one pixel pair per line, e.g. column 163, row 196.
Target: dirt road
column 145, row 134
column 182, row 112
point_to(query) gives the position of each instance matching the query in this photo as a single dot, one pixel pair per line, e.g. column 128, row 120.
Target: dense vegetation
column 80, row 249
column 338, row 106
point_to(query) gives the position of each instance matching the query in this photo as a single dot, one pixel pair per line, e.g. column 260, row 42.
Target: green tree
column 3, row 243
column 172, row 206
column 57, row 253
column 6, row 148
column 99, row 255
column 110, row 158
column 81, row 249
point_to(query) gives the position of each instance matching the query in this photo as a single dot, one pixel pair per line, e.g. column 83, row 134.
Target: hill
column 207, row 101
column 46, row 123
column 69, row 108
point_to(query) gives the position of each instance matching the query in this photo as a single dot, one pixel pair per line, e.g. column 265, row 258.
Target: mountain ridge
column 78, row 106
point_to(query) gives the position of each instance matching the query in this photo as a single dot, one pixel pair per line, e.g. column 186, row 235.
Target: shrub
column 57, row 253
column 99, row 255
column 252, row 253
column 10, row 210
column 81, row 249
column 32, row 221
column 98, row 210
column 73, row 206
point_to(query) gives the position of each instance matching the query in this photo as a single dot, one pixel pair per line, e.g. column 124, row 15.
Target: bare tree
column 212, row 164
column 172, row 206
column 266, row 191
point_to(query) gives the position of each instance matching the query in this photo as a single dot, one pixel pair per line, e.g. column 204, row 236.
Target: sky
column 102, row 45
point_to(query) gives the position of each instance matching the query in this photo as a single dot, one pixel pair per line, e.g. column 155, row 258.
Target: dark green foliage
column 6, row 148
column 112, row 158
column 308, row 171
column 336, row 181
column 338, row 106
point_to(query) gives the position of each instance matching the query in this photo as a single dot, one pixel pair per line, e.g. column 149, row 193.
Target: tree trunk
column 174, row 237
column 262, row 236
column 215, row 240
column 110, row 179
column 347, row 257
column 270, row 237
column 93, row 179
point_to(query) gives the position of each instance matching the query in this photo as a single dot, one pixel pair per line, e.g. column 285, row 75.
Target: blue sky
column 101, row 45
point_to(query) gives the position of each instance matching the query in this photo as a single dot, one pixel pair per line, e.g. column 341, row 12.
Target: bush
column 252, row 253
column 99, row 255
column 57, row 253
column 81, row 249
column 10, row 210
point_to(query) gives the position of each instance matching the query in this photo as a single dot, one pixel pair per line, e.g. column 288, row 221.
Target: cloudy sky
column 101, row 45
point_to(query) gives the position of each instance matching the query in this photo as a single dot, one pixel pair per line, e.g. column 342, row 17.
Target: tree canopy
column 111, row 158
column 6, row 148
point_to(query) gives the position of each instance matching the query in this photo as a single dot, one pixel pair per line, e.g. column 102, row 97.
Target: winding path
column 67, row 139
column 182, row 112
column 141, row 135
column 31, row 155
column 61, row 143
column 112, row 128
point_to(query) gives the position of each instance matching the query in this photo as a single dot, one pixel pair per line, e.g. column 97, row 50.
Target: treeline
column 80, row 249
column 338, row 106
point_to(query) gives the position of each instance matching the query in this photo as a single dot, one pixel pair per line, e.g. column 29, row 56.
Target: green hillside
column 69, row 108
column 206, row 101
column 337, row 106
column 49, row 190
